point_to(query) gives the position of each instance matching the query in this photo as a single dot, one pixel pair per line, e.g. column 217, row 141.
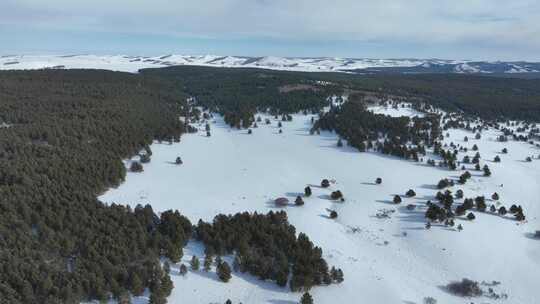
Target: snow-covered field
column 314, row 64
column 392, row 260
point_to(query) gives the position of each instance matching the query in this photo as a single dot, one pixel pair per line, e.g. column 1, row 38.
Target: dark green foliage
column 224, row 272
column 325, row 183
column 267, row 247
column 378, row 181
column 194, row 263
column 299, row 201
column 306, row 299
column 183, row 269
column 333, row 214
column 240, row 93
column 410, row 193
column 465, row 288
column 307, row 191
column 397, row 199
column 357, row 125
column 136, row 167
column 471, row 216
column 71, row 130
column 335, row 195
column 480, row 202
column 208, row 262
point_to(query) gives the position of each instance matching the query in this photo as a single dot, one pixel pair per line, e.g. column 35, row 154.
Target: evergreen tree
column 306, row 298
column 195, row 264
column 183, row 269
column 207, row 262
column 307, row 191
column 224, row 272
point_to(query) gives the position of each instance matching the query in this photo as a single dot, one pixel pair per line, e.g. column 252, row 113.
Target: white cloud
column 446, row 22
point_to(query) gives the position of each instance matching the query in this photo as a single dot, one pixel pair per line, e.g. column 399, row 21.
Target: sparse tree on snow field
column 471, row 216
column 339, row 143
column 298, row 201
column 325, row 183
column 378, row 181
column 136, row 167
column 195, row 264
column 183, row 269
column 495, row 196
column 335, row 195
column 502, row 211
column 410, row 193
column 307, row 191
column 333, row 214
column 397, row 199
column 430, row 300
column 306, row 299
column 207, row 262
column 178, row 161
column 224, row 272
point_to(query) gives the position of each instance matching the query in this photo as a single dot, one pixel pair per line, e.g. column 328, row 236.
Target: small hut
column 281, row 201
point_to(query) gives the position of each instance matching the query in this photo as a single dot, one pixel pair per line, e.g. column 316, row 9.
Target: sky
column 447, row 29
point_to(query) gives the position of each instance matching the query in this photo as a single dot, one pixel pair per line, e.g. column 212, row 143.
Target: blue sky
column 473, row 29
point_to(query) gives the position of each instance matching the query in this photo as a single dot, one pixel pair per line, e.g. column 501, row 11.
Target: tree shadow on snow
column 294, row 194
column 388, row 202
column 266, row 285
column 531, row 236
column 277, row 301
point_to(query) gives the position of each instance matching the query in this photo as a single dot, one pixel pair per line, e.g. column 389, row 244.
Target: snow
column 395, row 112
column 232, row 171
column 316, row 64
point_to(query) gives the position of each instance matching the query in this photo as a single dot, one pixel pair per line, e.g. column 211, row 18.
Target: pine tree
column 307, row 191
column 183, row 269
column 207, row 262
column 306, row 299
column 137, row 287
column 224, row 272
column 195, row 264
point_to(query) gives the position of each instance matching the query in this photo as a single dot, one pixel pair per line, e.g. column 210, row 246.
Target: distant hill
column 314, row 64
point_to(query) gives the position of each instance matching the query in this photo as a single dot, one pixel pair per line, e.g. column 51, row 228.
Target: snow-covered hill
column 384, row 249
column 316, row 64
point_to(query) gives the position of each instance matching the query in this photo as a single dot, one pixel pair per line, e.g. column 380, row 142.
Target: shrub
column 471, row 216
column 307, row 191
column 335, row 195
column 397, row 199
column 410, row 193
column 465, row 288
column 136, row 167
column 298, row 201
column 325, row 183
column 378, row 181
column 224, row 272
column 333, row 214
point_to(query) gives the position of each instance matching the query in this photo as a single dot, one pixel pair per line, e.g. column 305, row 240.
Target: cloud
column 454, row 24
